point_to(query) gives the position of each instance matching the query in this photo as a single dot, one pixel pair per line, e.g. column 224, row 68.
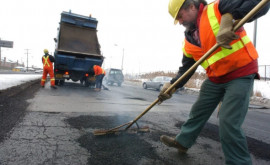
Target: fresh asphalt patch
column 121, row 147
column 116, row 148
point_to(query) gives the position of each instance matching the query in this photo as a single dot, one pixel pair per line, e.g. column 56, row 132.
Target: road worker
column 47, row 61
column 231, row 70
column 99, row 75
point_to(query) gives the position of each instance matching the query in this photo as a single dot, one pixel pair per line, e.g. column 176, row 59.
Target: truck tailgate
column 66, row 62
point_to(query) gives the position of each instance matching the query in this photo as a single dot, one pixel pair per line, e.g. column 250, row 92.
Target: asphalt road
column 58, row 129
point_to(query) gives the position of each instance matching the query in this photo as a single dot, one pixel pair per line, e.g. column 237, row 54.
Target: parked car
column 114, row 76
column 19, row 69
column 157, row 82
column 39, row 71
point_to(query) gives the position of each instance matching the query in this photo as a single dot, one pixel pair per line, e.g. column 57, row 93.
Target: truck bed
column 78, row 40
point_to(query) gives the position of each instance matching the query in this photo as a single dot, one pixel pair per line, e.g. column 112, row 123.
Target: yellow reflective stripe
column 52, row 79
column 46, row 61
column 245, row 39
column 43, row 80
column 204, row 64
column 185, row 53
column 225, row 52
column 212, row 19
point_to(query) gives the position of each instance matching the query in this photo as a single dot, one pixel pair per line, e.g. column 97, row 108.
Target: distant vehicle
column 30, row 70
column 114, row 76
column 38, row 71
column 157, row 82
column 19, row 69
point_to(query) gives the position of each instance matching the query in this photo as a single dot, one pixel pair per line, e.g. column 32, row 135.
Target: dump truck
column 77, row 49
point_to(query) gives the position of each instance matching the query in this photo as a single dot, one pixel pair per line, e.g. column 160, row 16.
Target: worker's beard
column 189, row 26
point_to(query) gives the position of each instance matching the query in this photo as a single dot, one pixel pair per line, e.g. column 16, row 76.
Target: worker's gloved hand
column 164, row 96
column 225, row 34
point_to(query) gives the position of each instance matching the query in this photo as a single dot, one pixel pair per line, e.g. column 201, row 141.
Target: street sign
column 7, row 44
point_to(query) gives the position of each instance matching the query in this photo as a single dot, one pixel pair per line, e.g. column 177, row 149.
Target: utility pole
column 123, row 58
column 0, row 55
column 255, row 33
column 27, row 59
column 122, row 67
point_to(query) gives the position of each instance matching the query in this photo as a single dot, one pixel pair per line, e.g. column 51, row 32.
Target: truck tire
column 86, row 83
column 61, row 82
column 56, row 82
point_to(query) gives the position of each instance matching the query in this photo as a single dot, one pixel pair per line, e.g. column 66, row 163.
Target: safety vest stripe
column 46, row 61
column 184, row 51
column 204, row 64
column 225, row 52
column 213, row 19
column 245, row 39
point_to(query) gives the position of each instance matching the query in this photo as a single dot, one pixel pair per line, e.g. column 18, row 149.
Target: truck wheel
column 62, row 82
column 56, row 82
column 86, row 83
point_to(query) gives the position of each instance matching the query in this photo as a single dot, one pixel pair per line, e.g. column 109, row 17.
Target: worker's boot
column 97, row 89
column 170, row 142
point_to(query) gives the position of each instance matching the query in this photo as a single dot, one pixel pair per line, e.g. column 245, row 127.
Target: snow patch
column 10, row 80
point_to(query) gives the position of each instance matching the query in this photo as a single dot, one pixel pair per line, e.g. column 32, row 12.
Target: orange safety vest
column 222, row 61
column 98, row 70
column 47, row 62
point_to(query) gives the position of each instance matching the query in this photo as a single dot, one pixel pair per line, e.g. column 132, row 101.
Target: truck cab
column 77, row 49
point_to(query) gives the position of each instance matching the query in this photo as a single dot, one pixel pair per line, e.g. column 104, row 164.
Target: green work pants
column 235, row 100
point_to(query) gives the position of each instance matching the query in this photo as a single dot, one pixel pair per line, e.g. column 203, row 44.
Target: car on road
column 39, row 71
column 157, row 82
column 19, row 69
column 113, row 76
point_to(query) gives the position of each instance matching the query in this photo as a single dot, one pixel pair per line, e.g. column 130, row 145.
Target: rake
column 117, row 129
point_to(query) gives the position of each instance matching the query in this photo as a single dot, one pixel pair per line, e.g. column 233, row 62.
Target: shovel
column 237, row 25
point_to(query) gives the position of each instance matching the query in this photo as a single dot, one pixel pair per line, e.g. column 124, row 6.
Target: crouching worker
column 99, row 74
column 47, row 61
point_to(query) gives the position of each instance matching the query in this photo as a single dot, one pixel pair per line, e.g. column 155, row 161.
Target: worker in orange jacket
column 231, row 70
column 47, row 61
column 99, row 74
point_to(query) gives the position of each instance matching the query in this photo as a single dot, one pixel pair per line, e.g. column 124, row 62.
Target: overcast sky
column 142, row 28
